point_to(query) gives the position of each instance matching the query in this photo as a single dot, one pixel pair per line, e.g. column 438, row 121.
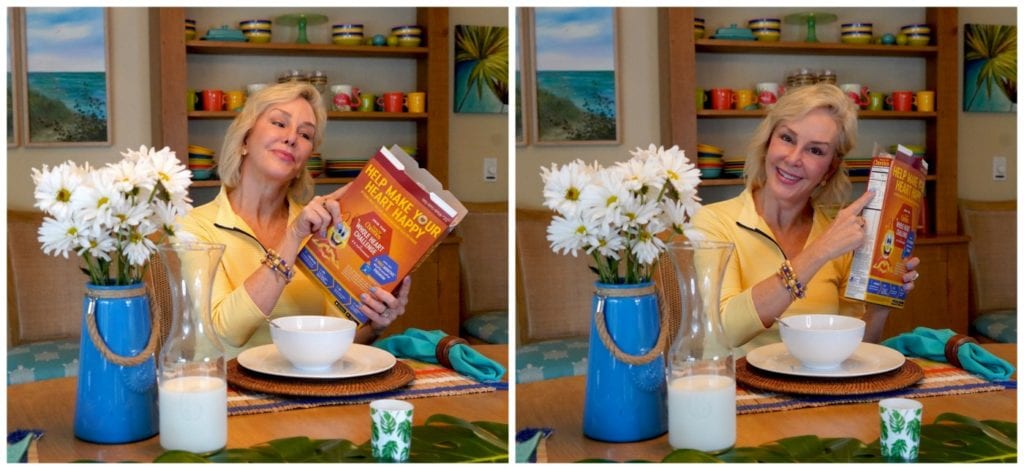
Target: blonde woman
column 794, row 168
column 265, row 212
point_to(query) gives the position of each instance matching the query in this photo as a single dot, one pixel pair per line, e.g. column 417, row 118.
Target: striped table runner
column 431, row 380
column 939, row 379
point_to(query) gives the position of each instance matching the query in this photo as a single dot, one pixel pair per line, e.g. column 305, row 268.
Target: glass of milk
column 193, row 371
column 701, row 368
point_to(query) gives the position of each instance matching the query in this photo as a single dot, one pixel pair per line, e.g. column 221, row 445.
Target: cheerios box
column 891, row 218
column 393, row 216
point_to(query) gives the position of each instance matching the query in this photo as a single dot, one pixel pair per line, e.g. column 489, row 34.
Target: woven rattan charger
column 906, row 375
column 396, row 377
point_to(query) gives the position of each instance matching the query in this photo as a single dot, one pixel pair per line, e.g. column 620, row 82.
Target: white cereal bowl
column 313, row 342
column 821, row 341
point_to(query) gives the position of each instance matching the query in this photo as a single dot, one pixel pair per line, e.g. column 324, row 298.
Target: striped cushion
column 490, row 327
column 42, row 360
column 551, row 359
column 1000, row 326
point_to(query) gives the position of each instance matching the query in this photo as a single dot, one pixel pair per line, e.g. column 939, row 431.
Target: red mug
column 722, row 98
column 392, row 102
column 213, row 100
column 901, row 100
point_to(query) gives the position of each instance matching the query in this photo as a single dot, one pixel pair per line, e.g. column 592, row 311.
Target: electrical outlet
column 998, row 168
column 491, row 169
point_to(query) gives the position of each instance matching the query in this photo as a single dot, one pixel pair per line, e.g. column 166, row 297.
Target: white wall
column 129, row 110
column 985, row 135
column 638, row 71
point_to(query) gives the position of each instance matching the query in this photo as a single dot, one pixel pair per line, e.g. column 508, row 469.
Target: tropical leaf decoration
column 390, row 451
column 951, row 438
column 487, row 48
column 442, row 438
column 388, row 424
column 996, row 45
column 896, row 422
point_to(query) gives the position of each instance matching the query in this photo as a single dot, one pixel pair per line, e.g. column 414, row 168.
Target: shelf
column 290, row 49
column 732, row 113
column 812, row 48
column 739, row 181
column 332, row 115
column 317, row 180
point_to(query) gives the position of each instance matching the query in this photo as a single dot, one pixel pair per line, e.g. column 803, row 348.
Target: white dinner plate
column 868, row 359
column 358, row 361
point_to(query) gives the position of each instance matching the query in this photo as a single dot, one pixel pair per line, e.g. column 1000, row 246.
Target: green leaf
column 952, row 438
column 390, row 451
column 898, row 448
column 896, row 422
column 388, row 424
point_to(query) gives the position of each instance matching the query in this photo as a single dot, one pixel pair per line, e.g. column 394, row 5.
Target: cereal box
column 891, row 217
column 393, row 215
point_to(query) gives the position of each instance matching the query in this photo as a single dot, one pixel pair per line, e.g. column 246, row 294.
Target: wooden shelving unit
column 434, row 300
column 942, row 250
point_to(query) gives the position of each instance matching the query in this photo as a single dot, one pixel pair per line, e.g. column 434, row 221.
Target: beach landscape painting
column 576, row 82
column 67, row 79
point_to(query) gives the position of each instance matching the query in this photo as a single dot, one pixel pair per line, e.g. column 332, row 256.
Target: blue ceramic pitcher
column 116, row 403
column 625, row 402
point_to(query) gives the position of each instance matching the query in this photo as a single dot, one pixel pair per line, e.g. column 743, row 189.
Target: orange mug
column 417, row 102
column 391, row 102
column 234, row 100
column 900, row 100
column 213, row 100
column 722, row 98
column 925, row 101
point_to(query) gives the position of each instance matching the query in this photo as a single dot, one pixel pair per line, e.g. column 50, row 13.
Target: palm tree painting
column 990, row 68
column 481, row 69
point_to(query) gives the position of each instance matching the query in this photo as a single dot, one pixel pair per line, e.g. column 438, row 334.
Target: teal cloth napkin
column 420, row 344
column 931, row 344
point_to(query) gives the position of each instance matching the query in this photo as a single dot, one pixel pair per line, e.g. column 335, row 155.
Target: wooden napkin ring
column 953, row 347
column 444, row 347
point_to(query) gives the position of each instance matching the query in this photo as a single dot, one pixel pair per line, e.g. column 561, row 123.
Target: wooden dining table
column 49, row 405
column 558, row 404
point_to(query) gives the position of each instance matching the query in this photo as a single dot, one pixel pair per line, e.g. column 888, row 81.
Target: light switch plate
column 491, row 169
column 998, row 168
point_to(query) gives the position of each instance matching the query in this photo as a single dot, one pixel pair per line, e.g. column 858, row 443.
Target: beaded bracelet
column 273, row 261
column 789, row 279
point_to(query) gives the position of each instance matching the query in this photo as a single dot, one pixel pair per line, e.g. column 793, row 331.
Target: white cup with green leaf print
column 391, row 430
column 901, row 428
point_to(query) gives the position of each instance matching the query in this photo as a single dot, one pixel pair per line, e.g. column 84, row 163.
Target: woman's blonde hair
column 229, row 161
column 793, row 106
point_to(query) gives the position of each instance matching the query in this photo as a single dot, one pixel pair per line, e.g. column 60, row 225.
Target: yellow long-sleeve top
column 236, row 318
column 756, row 257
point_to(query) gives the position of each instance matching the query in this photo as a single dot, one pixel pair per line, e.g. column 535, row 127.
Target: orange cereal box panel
column 393, row 216
column 891, row 219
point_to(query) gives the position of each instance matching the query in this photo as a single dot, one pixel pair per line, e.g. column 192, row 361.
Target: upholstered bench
column 483, row 267
column 992, row 251
column 42, row 360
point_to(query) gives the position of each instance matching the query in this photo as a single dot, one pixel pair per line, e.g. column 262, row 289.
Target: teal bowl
column 203, row 174
column 710, row 173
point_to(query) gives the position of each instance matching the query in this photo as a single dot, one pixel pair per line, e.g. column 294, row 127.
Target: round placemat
column 395, row 377
column 908, row 374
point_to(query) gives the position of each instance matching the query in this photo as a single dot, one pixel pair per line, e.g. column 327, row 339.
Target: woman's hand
column 847, row 230
column 318, row 215
column 382, row 308
column 911, row 274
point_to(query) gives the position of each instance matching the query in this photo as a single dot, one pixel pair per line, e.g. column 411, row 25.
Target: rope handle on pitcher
column 101, row 345
column 606, row 338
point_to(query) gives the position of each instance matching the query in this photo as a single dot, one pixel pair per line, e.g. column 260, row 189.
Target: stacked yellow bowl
column 347, row 34
column 407, row 35
column 257, row 31
column 917, row 34
column 856, row 33
column 698, row 28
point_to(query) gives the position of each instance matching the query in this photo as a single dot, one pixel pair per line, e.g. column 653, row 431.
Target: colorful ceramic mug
column 925, row 101
column 745, row 99
column 417, row 102
column 722, row 98
column 392, row 102
column 213, row 100
column 901, row 100
column 366, row 102
column 234, row 100
column 768, row 93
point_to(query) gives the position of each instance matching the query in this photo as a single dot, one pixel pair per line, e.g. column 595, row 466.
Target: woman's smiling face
column 800, row 156
column 281, row 140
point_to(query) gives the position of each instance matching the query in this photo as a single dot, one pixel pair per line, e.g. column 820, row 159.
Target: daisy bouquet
column 109, row 216
column 621, row 215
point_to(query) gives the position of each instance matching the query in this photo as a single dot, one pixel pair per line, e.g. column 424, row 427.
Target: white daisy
column 608, row 242
column 138, row 247
column 94, row 200
column 59, row 236
column 166, row 217
column 164, row 167
column 672, row 165
column 637, row 175
column 569, row 235
column 602, row 199
column 55, row 187
column 563, row 186
column 647, row 247
column 637, row 212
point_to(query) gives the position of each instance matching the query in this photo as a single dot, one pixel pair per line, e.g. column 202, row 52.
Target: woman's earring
column 244, row 151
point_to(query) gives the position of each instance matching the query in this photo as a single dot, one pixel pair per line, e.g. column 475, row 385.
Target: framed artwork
column 13, row 79
column 522, row 106
column 66, row 76
column 990, row 68
column 575, row 78
column 481, row 69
